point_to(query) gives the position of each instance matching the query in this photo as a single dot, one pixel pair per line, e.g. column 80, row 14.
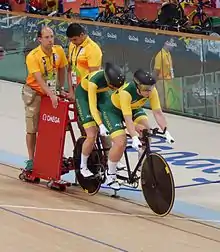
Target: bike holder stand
column 115, row 195
column 49, row 161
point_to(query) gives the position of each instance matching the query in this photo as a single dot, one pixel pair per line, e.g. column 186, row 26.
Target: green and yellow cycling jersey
column 127, row 99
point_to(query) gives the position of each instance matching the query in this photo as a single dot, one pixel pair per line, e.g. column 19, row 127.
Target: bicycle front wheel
column 158, row 184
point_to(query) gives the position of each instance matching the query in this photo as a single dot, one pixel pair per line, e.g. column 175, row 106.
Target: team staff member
column 126, row 104
column 46, row 72
column 84, row 56
column 163, row 70
column 163, row 66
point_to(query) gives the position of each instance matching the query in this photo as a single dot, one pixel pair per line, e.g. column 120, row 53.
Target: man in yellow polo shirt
column 163, row 69
column 84, row 55
column 46, row 73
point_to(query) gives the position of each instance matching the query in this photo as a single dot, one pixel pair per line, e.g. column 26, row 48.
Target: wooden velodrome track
column 34, row 218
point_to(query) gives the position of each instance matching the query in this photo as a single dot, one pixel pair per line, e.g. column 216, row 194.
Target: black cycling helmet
column 143, row 80
column 113, row 75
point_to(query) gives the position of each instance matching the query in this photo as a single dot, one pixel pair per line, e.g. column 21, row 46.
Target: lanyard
column 54, row 66
column 71, row 57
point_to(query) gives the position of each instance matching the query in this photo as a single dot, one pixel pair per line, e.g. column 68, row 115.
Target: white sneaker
column 120, row 166
column 111, row 181
column 86, row 172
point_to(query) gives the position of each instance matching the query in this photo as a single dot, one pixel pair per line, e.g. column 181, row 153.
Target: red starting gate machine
column 49, row 161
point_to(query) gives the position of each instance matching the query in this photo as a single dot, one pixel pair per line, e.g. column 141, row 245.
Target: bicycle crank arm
column 122, row 177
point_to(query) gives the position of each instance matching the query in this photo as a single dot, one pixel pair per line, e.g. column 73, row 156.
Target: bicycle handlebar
column 147, row 134
column 154, row 132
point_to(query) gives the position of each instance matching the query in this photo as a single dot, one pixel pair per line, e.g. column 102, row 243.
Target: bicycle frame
column 199, row 10
column 132, row 178
column 132, row 175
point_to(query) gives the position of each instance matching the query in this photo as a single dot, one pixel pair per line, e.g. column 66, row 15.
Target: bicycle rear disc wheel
column 158, row 184
column 92, row 184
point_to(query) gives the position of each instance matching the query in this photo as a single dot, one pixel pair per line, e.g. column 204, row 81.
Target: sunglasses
column 145, row 88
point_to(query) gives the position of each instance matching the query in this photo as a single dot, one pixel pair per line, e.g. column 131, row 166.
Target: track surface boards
column 34, row 218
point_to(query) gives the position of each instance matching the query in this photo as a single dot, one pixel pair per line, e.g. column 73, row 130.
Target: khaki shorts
column 32, row 108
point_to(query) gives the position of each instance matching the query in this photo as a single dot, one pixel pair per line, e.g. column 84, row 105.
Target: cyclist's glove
column 168, row 137
column 136, row 143
column 103, row 131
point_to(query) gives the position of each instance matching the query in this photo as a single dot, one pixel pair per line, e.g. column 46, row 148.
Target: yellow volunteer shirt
column 81, row 58
column 37, row 61
column 164, row 64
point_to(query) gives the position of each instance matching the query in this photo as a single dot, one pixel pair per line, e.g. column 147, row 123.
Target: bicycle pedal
column 132, row 185
column 121, row 177
column 94, row 176
column 121, row 169
column 60, row 182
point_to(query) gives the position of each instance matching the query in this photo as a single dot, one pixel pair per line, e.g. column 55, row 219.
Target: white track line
column 107, row 213
column 65, row 210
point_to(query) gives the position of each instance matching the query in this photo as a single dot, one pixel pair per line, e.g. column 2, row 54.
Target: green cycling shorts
column 112, row 117
column 82, row 104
